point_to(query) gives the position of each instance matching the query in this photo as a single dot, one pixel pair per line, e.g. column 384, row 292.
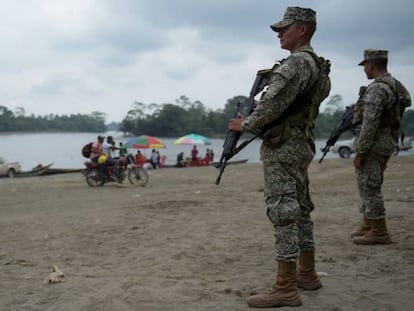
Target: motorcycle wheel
column 138, row 176
column 93, row 179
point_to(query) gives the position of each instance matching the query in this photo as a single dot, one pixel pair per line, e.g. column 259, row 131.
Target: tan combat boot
column 283, row 292
column 363, row 228
column 307, row 278
column 378, row 234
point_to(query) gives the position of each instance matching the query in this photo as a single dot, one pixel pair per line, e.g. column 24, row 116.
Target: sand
column 183, row 243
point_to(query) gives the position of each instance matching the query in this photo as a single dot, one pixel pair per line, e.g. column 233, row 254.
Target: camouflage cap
column 295, row 14
column 371, row 54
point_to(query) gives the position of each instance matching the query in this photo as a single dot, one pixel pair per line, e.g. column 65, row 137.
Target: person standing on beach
column 194, row 156
column 377, row 125
column 155, row 159
column 296, row 88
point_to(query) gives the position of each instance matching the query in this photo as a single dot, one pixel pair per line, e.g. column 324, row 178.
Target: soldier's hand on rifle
column 358, row 162
column 235, row 124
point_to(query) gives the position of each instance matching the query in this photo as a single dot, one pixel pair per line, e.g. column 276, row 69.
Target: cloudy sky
column 78, row 56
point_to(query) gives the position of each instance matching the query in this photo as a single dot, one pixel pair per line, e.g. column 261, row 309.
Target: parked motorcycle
column 137, row 175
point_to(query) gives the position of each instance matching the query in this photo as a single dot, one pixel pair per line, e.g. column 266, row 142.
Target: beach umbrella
column 144, row 142
column 192, row 139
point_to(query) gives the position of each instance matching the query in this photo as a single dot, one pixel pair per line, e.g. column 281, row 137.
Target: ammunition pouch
column 275, row 136
column 392, row 116
column 302, row 112
column 280, row 133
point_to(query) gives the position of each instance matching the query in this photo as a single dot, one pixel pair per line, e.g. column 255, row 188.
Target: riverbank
column 64, row 149
column 183, row 243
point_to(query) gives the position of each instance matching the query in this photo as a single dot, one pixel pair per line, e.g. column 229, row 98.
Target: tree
column 230, row 108
column 5, row 112
column 19, row 112
column 99, row 116
column 183, row 101
column 72, row 123
column 407, row 124
column 6, row 119
column 334, row 104
column 169, row 121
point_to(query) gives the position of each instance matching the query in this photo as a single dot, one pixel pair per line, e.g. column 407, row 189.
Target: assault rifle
column 343, row 125
column 245, row 108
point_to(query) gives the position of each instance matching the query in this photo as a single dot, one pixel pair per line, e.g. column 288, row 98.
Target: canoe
column 232, row 162
column 210, row 164
column 36, row 171
column 55, row 171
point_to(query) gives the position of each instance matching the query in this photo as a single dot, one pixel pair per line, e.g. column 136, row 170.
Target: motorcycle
column 126, row 167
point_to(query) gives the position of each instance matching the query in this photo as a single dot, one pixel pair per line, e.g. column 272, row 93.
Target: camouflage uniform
column 376, row 139
column 286, row 151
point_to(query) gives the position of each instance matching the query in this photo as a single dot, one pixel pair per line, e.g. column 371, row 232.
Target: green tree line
column 169, row 119
column 185, row 116
column 18, row 122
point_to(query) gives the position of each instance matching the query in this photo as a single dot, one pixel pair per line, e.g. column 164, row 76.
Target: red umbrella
column 144, row 142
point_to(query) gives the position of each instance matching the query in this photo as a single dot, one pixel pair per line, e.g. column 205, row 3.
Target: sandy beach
column 183, row 243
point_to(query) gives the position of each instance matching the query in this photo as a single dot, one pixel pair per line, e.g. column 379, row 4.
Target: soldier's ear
column 302, row 29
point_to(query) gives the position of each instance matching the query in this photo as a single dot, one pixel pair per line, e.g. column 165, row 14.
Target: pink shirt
column 96, row 146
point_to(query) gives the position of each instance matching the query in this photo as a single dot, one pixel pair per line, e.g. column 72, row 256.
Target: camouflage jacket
column 371, row 136
column 293, row 77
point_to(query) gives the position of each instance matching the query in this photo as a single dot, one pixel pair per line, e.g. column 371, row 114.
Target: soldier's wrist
column 361, row 155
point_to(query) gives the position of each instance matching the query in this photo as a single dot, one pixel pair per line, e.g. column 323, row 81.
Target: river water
column 64, row 149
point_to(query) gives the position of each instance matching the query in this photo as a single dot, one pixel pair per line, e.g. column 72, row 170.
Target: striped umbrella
column 192, row 139
column 144, row 142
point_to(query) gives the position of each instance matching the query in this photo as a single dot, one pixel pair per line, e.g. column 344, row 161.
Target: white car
column 9, row 169
column 345, row 148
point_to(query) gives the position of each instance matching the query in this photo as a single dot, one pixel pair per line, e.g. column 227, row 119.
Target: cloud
column 79, row 56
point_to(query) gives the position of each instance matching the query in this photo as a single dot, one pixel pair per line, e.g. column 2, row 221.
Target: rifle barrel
column 244, row 108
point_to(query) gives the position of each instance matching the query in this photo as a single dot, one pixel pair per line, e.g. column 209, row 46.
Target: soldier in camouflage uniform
column 377, row 124
column 287, row 150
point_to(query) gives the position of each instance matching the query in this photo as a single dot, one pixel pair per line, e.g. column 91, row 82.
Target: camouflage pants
column 287, row 197
column 369, row 181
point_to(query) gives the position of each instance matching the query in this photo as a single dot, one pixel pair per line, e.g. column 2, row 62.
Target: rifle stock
column 244, row 108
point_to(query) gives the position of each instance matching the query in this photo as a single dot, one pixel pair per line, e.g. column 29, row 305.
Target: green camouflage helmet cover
column 295, row 14
column 371, row 54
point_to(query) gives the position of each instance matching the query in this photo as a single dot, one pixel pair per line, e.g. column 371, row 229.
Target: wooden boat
column 242, row 161
column 55, row 171
column 36, row 171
